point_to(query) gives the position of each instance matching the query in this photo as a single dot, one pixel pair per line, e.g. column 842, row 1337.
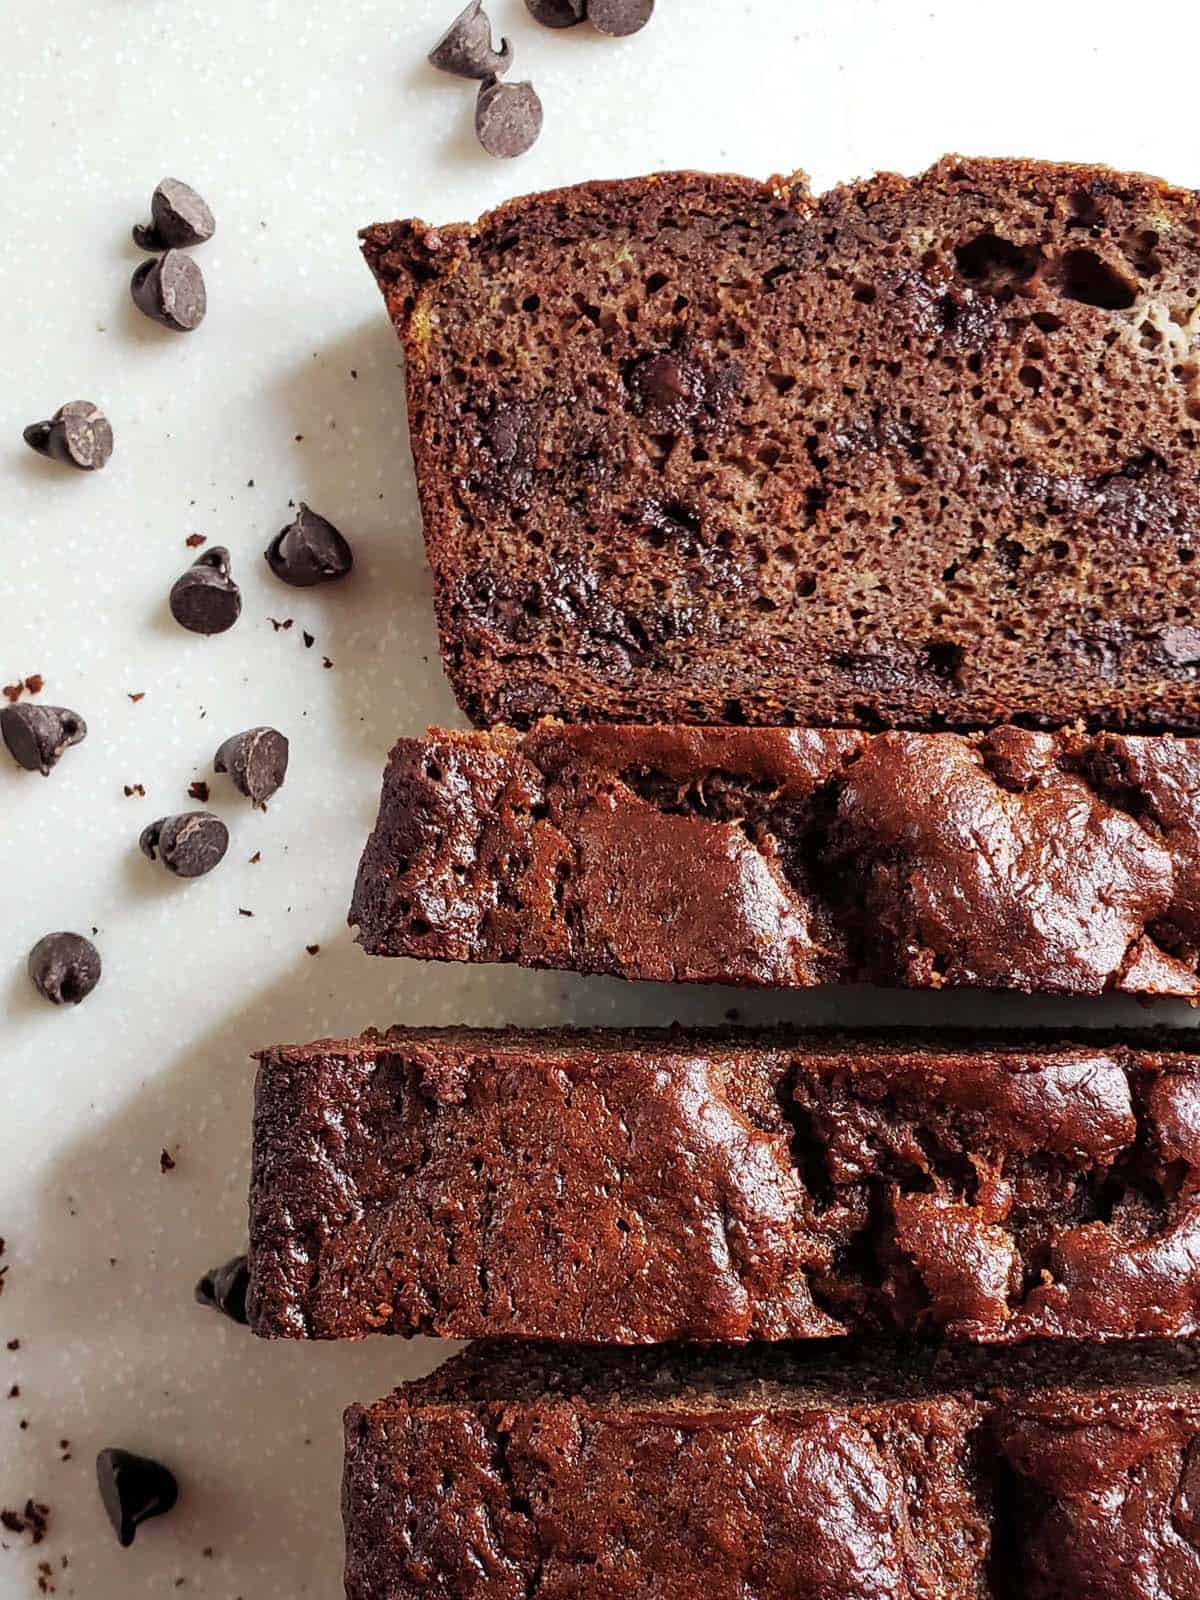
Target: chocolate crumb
column 326, row 663
column 166, row 1162
column 256, row 858
column 13, row 1344
column 195, row 540
column 35, row 683
column 198, row 790
column 312, row 948
column 33, row 1519
column 134, row 788
column 242, row 912
column 310, row 639
column 15, row 1392
column 285, row 624
column 140, row 695
column 13, row 692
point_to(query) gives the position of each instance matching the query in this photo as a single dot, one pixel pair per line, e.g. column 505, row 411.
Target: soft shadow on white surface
column 378, row 625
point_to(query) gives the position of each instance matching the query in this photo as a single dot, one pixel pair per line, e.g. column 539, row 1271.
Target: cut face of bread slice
column 638, row 1188
column 914, row 453
column 773, row 1475
column 1052, row 863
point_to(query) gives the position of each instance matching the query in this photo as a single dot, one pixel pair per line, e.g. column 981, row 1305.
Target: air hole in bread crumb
column 993, row 262
column 1088, row 278
column 943, row 657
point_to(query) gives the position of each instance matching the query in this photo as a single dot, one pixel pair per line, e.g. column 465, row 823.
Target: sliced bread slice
column 914, row 453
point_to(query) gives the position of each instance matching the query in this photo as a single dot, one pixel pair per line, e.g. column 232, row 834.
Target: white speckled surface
column 302, row 120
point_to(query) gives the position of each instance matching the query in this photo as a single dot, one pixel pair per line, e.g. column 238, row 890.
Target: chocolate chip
column 224, row 1289
column 178, row 218
column 257, row 762
column 170, row 291
column 1185, row 1508
column 64, row 967
column 508, row 118
column 557, row 13
column 37, row 735
column 465, row 49
column 189, row 845
column 133, row 1489
column 78, row 434
column 205, row 598
column 669, row 387
column 308, row 551
column 619, row 17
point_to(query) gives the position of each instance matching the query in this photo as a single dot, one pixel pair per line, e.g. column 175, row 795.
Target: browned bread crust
column 635, row 1188
column 1061, row 863
column 915, row 453
column 774, row 1475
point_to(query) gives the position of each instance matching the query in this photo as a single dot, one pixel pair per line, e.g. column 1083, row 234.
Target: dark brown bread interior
column 914, row 453
column 633, row 1188
column 1055, row 863
column 777, row 1475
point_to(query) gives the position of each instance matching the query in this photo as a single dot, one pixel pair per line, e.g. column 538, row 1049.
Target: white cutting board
column 301, row 121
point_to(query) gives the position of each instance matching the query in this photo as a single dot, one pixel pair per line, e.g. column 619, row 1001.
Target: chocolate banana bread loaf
column 778, row 1475
column 632, row 1188
column 914, row 453
column 1061, row 863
